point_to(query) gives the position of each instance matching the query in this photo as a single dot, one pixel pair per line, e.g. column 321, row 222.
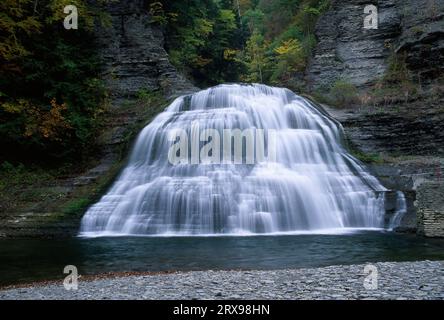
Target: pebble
column 396, row 280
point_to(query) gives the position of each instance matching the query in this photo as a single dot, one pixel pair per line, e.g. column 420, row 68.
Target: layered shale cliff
column 136, row 71
column 405, row 136
column 133, row 54
column 346, row 50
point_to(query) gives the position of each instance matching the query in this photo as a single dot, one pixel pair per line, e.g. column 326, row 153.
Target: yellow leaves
column 290, row 58
column 291, row 46
column 48, row 124
column 52, row 122
column 282, row 50
column 13, row 108
column 202, row 62
column 29, row 25
column 230, row 54
column 13, row 20
column 203, row 27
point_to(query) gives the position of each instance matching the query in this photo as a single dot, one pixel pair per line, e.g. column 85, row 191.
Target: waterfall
column 311, row 184
column 400, row 210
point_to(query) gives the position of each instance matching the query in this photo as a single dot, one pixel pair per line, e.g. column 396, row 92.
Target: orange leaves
column 48, row 124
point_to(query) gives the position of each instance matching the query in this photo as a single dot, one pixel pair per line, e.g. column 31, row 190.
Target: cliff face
column 134, row 63
column 133, row 55
column 431, row 209
column 407, row 142
column 346, row 50
column 137, row 73
column 415, row 128
column 407, row 135
column 422, row 37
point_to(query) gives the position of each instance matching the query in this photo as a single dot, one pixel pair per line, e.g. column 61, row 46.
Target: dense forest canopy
column 267, row 41
column 51, row 95
column 50, row 92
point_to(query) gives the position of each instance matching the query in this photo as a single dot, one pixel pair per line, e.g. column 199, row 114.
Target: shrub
column 77, row 206
column 343, row 93
column 397, row 84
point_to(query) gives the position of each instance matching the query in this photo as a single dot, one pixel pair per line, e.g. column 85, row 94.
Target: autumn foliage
column 50, row 93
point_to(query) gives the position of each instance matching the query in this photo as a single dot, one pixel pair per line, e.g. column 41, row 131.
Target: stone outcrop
column 430, row 209
column 415, row 128
column 407, row 143
column 422, row 37
column 133, row 54
column 347, row 51
column 409, row 132
column 134, row 63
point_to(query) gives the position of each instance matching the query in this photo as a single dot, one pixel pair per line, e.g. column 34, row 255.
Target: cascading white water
column 313, row 185
column 400, row 210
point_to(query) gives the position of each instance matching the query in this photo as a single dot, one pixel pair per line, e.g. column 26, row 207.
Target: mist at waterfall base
column 312, row 185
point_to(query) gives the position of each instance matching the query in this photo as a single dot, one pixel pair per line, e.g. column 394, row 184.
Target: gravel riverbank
column 399, row 280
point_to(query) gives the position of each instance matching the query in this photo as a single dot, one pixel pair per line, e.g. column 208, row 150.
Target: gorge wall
column 347, row 51
column 405, row 136
column 138, row 75
column 431, row 209
column 135, row 68
column 133, row 54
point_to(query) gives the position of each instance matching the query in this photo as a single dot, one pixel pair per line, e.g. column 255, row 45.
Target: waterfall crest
column 312, row 185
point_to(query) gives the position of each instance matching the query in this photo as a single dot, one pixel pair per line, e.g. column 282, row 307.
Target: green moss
column 369, row 158
column 340, row 94
column 320, row 97
column 343, row 93
column 76, row 206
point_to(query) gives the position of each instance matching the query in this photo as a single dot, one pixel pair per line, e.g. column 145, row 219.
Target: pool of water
column 29, row 260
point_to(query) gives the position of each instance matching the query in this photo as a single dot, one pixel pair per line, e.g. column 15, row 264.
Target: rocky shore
column 386, row 280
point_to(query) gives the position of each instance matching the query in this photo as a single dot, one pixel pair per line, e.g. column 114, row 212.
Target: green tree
column 201, row 39
column 255, row 57
column 50, row 95
column 16, row 25
column 290, row 58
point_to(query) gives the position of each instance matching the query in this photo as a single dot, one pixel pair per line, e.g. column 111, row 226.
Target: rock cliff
column 431, row 209
column 405, row 136
column 135, row 64
column 133, row 54
column 347, row 51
